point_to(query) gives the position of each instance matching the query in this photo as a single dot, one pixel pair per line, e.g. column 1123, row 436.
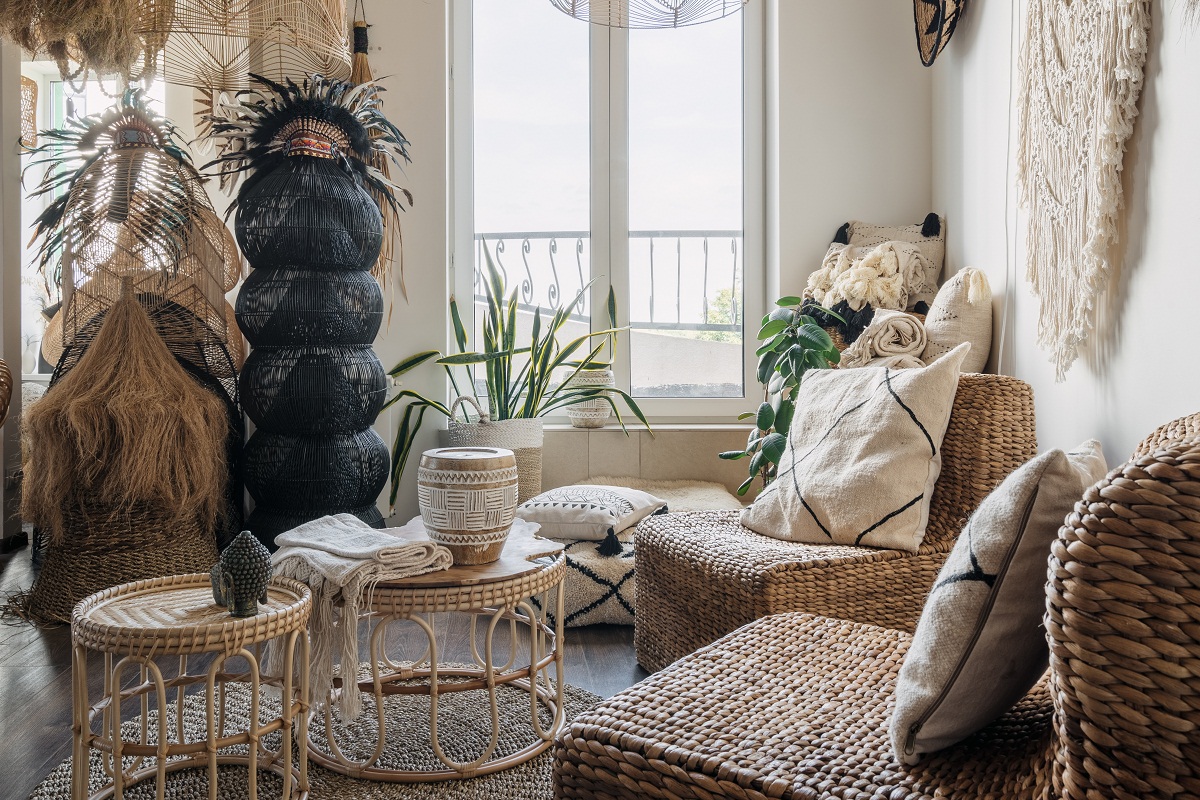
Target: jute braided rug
column 464, row 727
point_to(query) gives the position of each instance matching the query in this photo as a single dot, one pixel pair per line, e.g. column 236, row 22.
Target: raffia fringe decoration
column 126, row 426
column 1081, row 74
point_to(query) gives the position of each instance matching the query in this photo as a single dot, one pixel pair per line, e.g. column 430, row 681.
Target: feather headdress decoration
column 320, row 116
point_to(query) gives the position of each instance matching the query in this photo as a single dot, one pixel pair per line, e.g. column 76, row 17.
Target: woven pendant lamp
column 215, row 44
column 648, row 13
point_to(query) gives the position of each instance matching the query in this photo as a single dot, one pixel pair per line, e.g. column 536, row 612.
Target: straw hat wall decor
column 935, row 22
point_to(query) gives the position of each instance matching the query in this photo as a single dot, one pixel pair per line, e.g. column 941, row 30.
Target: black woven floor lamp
column 310, row 309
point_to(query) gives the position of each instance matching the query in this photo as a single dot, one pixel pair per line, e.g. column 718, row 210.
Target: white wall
column 1139, row 370
column 409, row 54
column 853, row 106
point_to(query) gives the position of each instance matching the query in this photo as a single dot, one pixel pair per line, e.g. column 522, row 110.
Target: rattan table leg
column 80, row 726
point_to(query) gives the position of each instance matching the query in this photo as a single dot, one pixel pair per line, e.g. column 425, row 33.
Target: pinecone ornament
column 240, row 578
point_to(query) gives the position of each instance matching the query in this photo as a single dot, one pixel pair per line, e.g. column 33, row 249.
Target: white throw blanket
column 890, row 335
column 339, row 558
column 886, row 276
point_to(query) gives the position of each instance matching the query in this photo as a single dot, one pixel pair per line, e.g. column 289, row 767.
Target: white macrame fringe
column 1081, row 74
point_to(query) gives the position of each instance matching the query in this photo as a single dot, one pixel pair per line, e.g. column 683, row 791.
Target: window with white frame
column 630, row 158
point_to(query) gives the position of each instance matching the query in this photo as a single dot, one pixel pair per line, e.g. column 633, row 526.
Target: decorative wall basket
column 591, row 413
column 468, row 498
column 522, row 436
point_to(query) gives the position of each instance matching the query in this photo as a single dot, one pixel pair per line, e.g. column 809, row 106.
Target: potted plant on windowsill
column 520, row 382
column 793, row 344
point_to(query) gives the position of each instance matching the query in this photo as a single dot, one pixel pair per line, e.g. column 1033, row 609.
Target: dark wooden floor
column 35, row 679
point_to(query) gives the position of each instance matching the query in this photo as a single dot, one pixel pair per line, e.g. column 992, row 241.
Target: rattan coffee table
column 529, row 568
column 136, row 624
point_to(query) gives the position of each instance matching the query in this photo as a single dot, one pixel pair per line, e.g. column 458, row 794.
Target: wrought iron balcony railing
column 553, row 266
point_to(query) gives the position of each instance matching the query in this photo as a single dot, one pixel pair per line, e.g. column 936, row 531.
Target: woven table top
column 529, row 565
column 176, row 615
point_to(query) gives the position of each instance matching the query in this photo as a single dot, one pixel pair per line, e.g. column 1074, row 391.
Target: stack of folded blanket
column 339, row 558
column 892, row 339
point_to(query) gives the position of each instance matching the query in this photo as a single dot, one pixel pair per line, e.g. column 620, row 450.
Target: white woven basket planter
column 468, row 497
column 522, row 436
column 591, row 413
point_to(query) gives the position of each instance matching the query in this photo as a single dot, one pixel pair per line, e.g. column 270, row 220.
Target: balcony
column 685, row 304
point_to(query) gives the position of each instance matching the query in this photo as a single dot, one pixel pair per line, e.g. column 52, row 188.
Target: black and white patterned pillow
column 589, row 513
column 863, row 454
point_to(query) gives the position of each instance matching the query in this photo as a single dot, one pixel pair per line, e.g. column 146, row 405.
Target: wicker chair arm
column 1123, row 621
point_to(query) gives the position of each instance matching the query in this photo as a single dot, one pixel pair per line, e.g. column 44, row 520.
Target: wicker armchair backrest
column 1123, row 621
column 991, row 433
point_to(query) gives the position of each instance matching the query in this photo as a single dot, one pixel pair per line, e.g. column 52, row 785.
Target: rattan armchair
column 797, row 706
column 701, row 575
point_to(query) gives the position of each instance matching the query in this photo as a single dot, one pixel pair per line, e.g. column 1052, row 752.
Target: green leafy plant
column 792, row 345
column 519, row 380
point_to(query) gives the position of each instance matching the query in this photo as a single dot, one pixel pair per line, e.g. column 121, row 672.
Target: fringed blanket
column 1080, row 81
column 340, row 557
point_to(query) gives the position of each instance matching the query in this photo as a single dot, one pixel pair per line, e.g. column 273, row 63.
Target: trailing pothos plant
column 792, row 344
column 519, row 380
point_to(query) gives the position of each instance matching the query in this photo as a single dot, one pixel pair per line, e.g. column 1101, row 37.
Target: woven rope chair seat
column 791, row 706
column 701, row 575
column 176, row 615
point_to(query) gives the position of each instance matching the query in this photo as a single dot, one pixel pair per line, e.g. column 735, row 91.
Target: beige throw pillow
column 961, row 312
column 863, row 454
column 980, row 645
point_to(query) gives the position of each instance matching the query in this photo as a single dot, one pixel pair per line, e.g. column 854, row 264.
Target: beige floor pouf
column 599, row 588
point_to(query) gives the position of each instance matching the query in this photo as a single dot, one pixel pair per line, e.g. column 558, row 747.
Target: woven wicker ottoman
column 791, row 706
column 702, row 575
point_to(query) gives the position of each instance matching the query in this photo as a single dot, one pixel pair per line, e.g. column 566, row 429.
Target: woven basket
column 591, row 413
column 104, row 550
column 522, row 436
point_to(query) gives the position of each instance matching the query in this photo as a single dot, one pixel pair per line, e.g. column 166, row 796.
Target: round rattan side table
column 530, row 568
column 135, row 626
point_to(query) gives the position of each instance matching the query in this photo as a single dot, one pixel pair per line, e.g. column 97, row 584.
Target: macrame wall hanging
column 1080, row 81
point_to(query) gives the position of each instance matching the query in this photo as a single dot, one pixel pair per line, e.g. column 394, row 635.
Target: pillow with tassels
column 590, row 513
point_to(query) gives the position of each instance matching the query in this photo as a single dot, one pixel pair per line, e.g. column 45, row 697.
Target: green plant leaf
column 408, row 393
column 771, row 345
column 460, row 331
column 771, row 327
column 773, row 446
column 474, row 358
column 732, row 455
column 741, row 490
column 765, row 418
column 789, row 301
column 784, row 416
column 781, row 313
column 833, row 355
column 746, row 415
column 412, row 362
column 756, row 461
column 814, row 338
column 766, row 366
column 612, row 307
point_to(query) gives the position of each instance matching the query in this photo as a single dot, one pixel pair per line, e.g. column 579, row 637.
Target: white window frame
column 610, row 199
